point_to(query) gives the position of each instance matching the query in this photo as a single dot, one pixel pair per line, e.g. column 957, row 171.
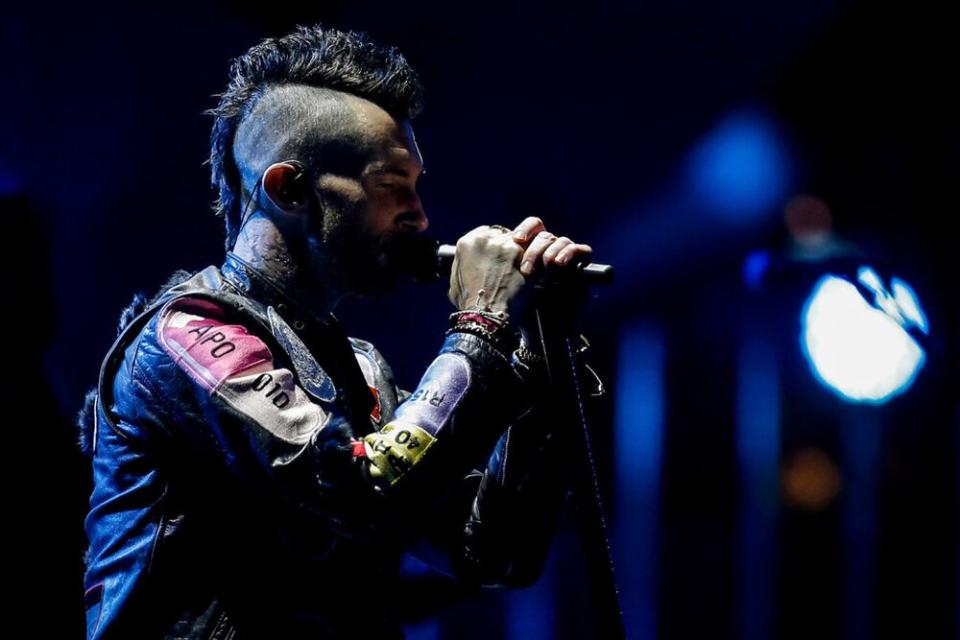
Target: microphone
column 425, row 259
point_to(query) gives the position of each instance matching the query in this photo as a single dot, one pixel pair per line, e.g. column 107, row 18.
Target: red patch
column 375, row 412
column 209, row 349
column 359, row 450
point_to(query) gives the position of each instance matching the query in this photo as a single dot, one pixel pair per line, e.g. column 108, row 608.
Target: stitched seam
column 503, row 467
column 99, row 605
column 108, row 414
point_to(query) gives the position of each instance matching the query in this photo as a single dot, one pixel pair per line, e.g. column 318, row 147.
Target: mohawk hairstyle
column 313, row 56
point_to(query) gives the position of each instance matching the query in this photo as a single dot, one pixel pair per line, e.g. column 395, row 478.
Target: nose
column 421, row 221
column 415, row 217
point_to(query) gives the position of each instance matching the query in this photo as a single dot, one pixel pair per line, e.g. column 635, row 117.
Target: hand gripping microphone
column 425, row 259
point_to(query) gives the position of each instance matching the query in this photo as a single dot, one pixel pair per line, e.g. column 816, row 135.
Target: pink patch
column 206, row 347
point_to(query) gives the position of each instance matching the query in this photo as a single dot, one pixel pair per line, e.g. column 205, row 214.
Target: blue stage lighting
column 741, row 169
column 861, row 348
column 755, row 267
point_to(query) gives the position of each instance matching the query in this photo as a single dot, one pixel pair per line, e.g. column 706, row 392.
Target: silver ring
column 501, row 228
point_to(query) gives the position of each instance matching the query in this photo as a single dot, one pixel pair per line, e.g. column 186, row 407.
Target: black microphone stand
column 556, row 304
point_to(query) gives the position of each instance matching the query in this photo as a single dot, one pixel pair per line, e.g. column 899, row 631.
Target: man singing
column 258, row 473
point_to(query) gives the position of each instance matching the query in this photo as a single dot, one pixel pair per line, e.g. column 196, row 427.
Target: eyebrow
column 395, row 171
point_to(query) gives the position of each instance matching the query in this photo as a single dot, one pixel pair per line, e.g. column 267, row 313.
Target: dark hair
column 314, row 56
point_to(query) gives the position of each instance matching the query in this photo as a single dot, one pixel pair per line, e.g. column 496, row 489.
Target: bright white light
column 909, row 305
column 858, row 350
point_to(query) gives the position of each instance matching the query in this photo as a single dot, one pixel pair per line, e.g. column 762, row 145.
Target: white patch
column 180, row 319
column 274, row 401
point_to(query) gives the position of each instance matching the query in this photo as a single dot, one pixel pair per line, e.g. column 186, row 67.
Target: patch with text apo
column 194, row 334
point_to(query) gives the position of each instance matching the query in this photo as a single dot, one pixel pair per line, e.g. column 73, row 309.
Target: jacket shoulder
column 86, row 419
column 204, row 338
column 132, row 370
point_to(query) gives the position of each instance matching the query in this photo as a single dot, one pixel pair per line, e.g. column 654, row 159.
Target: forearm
column 463, row 403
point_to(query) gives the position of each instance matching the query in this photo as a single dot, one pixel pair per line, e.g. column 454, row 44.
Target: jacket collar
column 252, row 282
column 336, row 356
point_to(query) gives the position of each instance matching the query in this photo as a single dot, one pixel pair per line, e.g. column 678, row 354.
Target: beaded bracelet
column 473, row 316
column 498, row 318
column 502, row 336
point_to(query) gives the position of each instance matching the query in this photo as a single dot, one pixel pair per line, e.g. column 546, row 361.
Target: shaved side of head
column 321, row 128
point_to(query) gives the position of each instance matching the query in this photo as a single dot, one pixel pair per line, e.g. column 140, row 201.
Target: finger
column 551, row 253
column 532, row 255
column 574, row 253
column 527, row 229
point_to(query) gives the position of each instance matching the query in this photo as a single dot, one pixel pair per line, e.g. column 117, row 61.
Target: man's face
column 380, row 208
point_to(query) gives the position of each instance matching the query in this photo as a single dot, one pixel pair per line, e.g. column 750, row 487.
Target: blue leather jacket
column 258, row 474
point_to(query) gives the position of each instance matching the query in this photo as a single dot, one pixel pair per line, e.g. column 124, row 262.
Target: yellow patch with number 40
column 395, row 449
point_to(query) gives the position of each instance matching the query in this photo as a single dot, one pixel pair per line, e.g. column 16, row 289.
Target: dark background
column 746, row 500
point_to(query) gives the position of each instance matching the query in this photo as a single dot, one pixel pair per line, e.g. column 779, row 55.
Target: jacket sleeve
column 498, row 530
column 237, row 405
column 513, row 516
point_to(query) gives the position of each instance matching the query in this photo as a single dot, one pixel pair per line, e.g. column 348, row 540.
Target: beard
column 362, row 260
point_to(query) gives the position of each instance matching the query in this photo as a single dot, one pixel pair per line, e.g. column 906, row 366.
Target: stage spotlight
column 908, row 304
column 741, row 169
column 862, row 348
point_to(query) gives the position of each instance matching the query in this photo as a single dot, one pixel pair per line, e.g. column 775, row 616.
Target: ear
column 285, row 184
